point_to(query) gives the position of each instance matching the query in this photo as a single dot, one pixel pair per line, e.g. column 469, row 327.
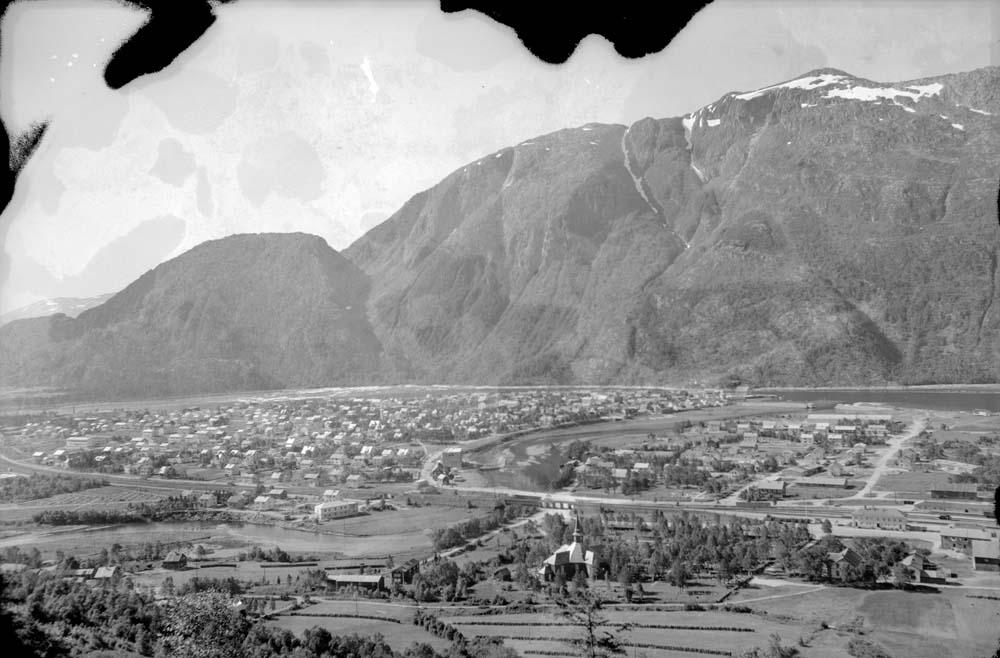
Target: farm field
column 921, row 625
column 965, row 421
column 908, row 624
column 105, row 498
column 911, row 481
column 399, row 636
column 242, row 571
column 648, row 628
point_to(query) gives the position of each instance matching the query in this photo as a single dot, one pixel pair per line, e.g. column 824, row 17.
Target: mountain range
column 827, row 230
column 71, row 306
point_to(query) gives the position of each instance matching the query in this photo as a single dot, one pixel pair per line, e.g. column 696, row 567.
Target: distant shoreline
column 893, row 388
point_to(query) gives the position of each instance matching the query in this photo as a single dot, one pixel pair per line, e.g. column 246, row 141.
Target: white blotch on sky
column 366, row 66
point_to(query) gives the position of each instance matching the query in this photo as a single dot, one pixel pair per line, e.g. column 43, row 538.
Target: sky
column 325, row 117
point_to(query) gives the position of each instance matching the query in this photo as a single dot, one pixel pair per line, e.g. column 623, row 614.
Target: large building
column 829, row 482
column 372, row 582
column 966, row 491
column 568, row 560
column 771, row 489
column 880, row 518
column 986, row 556
column 335, row 509
column 404, row 573
column 965, row 539
column 843, row 565
column 452, row 458
column 81, row 442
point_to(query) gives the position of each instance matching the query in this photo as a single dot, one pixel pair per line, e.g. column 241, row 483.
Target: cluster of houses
column 840, row 566
column 813, row 452
column 978, row 543
column 311, row 442
column 89, row 575
column 328, row 506
column 837, row 430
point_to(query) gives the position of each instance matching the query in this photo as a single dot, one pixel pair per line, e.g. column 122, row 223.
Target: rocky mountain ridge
column 827, row 230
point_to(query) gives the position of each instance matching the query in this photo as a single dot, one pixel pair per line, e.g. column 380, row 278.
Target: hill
column 244, row 312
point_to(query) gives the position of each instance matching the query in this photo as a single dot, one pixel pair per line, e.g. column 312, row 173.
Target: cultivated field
column 913, row 481
column 399, row 635
column 101, row 498
column 710, row 630
column 917, row 625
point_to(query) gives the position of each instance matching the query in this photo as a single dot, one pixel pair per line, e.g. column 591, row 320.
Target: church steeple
column 577, row 533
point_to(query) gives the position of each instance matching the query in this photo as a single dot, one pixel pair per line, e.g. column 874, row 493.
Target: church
column 569, row 559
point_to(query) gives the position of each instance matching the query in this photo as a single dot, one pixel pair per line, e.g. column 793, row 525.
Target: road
column 895, row 445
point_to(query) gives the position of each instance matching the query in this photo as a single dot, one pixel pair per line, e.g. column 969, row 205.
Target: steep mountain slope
column 825, row 230
column 512, row 268
column 244, row 312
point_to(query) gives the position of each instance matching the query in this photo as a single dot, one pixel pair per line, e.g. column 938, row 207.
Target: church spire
column 577, row 533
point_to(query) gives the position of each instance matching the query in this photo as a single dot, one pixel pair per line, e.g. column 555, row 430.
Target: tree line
column 33, row 487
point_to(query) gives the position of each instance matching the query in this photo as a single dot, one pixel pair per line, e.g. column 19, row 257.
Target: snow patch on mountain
column 958, row 126
column 808, row 82
column 688, row 122
column 635, row 179
column 712, row 123
column 972, row 109
column 701, row 176
column 891, row 93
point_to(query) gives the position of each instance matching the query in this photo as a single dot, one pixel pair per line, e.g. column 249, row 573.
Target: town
column 468, row 506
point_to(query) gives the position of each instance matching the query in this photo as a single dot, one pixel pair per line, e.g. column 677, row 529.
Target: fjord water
column 946, row 399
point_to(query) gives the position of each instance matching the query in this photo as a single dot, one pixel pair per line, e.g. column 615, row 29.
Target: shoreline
column 891, row 388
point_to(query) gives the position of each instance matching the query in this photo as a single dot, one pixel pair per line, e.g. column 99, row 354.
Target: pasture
column 912, row 624
column 650, row 632
column 911, row 481
column 399, row 635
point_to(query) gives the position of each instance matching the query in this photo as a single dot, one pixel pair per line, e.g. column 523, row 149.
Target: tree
column 827, row 526
column 625, row 579
column 143, row 643
column 901, row 576
column 996, row 505
column 203, row 625
column 318, row 640
column 584, row 611
column 774, row 649
column 678, row 574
